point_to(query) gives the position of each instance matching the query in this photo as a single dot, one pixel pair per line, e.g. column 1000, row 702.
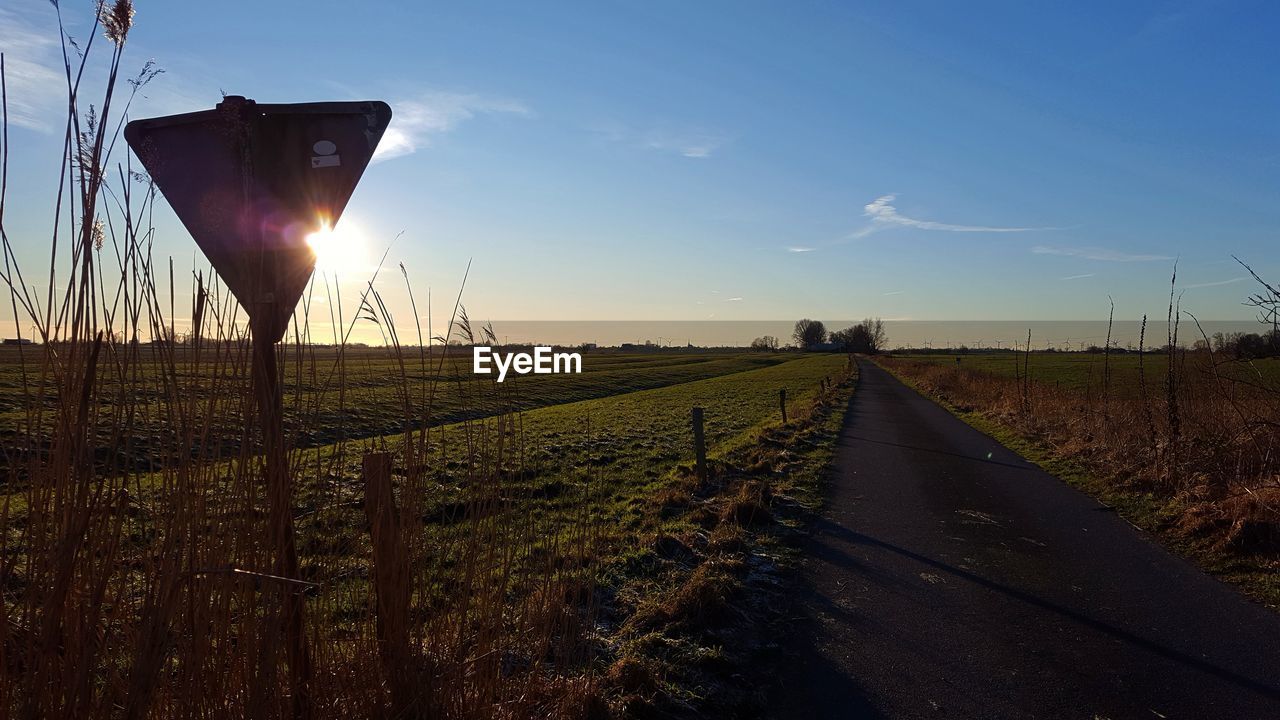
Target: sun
column 339, row 250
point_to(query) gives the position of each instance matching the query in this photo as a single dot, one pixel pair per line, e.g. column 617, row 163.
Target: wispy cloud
column 1095, row 253
column 36, row 80
column 36, row 86
column 696, row 144
column 418, row 120
column 1215, row 284
column 895, row 292
column 716, row 298
column 796, row 249
column 1078, row 277
column 691, row 144
column 884, row 216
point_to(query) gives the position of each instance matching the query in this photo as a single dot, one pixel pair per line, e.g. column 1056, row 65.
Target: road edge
column 1144, row 511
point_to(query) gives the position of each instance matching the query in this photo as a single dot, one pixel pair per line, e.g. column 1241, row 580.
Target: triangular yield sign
column 250, row 182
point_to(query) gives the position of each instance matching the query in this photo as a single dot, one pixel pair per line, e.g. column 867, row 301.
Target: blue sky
column 749, row 160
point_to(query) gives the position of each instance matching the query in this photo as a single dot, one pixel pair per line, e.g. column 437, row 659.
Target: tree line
column 868, row 336
column 1245, row 346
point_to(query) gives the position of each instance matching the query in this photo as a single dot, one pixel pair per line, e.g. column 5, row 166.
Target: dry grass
column 750, row 506
column 1202, row 439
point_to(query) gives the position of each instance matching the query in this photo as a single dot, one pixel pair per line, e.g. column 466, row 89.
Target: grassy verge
column 693, row 606
column 1160, row 515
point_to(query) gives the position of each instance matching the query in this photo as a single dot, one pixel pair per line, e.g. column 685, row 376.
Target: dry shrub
column 727, row 539
column 703, row 599
column 700, row 600
column 676, row 496
column 750, row 506
column 669, row 547
column 704, row 516
column 633, row 675
column 1246, row 522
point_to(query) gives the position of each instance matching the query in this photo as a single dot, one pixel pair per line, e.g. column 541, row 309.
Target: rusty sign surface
column 251, row 181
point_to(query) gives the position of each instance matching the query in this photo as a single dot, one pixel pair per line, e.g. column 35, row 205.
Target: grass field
column 629, row 445
column 1082, row 371
column 363, row 393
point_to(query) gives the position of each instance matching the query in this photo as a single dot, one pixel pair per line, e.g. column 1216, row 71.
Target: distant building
column 17, row 341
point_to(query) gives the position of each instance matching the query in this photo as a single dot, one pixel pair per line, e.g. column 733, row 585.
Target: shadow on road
column 829, row 690
column 986, row 461
column 822, row 526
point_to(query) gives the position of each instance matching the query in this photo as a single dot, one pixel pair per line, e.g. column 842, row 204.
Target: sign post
column 250, row 182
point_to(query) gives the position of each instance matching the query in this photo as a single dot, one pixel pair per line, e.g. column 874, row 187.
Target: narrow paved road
column 949, row 578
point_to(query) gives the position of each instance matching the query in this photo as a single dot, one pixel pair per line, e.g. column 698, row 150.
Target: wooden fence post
column 390, row 581
column 782, row 403
column 699, row 445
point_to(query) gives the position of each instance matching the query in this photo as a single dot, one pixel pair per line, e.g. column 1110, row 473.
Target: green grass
column 602, row 461
column 631, row 441
column 1081, row 371
column 625, row 415
column 372, row 401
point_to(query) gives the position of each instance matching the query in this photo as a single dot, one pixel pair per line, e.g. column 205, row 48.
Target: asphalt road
column 949, row 578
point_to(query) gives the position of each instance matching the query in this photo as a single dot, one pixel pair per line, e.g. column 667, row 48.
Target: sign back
column 251, row 181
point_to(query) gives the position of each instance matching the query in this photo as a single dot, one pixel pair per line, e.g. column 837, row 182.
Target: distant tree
column 876, row 335
column 1245, row 346
column 853, row 339
column 809, row 333
column 1250, row 346
column 867, row 336
column 765, row 343
column 840, row 338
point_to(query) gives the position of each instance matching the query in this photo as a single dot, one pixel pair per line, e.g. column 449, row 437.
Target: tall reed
column 137, row 570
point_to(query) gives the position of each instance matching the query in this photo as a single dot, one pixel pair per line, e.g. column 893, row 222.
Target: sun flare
column 338, row 249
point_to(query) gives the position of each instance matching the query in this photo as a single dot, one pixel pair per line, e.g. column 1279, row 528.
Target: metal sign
column 251, row 181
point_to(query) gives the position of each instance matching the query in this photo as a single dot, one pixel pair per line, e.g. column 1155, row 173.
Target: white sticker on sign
column 319, row 161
